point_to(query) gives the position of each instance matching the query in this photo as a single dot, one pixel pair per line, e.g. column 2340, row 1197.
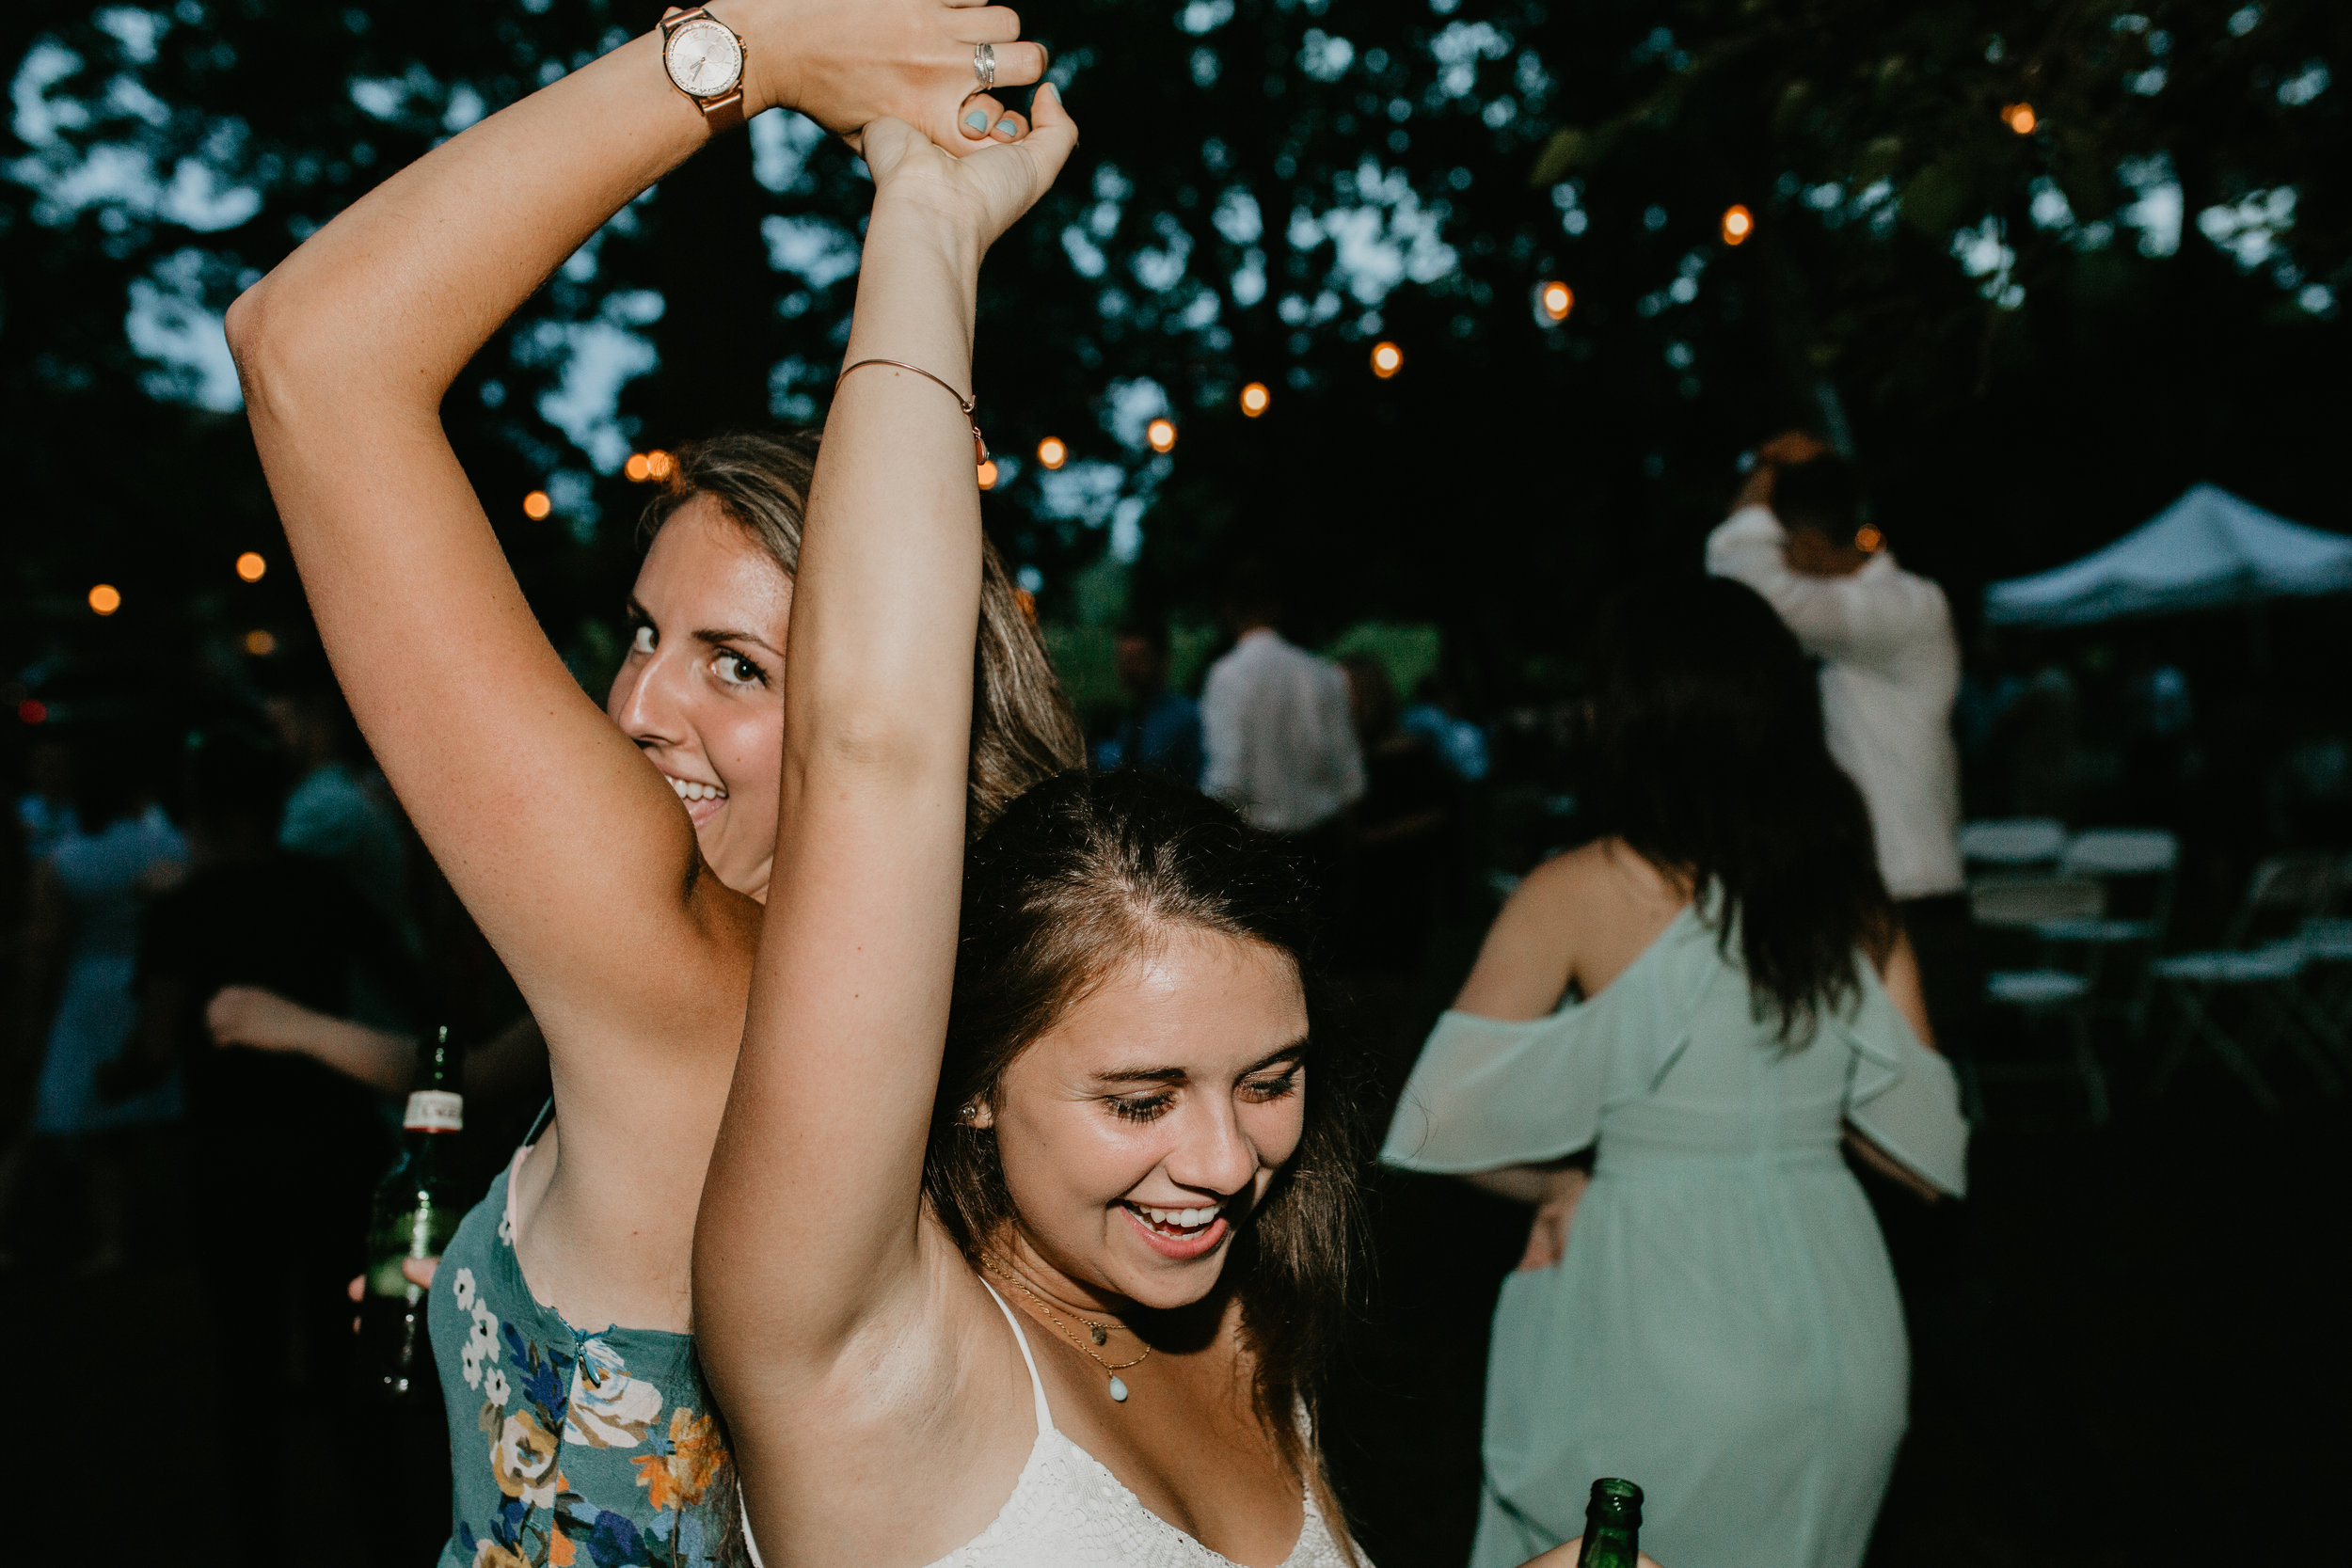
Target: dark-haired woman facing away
column 1708, row 999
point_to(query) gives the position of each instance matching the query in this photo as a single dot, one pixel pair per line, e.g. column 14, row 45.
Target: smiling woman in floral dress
column 617, row 863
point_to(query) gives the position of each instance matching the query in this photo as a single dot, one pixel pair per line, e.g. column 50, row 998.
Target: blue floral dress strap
column 594, row 1449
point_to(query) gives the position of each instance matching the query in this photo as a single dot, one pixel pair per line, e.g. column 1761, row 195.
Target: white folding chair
column 2262, row 961
column 2138, row 867
column 2024, row 907
column 2013, row 843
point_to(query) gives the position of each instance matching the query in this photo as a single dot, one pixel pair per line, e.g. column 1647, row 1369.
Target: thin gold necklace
column 1100, row 1333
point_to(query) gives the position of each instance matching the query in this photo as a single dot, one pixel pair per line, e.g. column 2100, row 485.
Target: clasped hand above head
column 848, row 63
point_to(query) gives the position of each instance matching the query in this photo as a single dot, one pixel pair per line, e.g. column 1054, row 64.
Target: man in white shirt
column 1890, row 670
column 1279, row 742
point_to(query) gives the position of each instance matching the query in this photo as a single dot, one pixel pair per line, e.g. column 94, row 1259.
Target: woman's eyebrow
column 1143, row 1075
column 720, row 638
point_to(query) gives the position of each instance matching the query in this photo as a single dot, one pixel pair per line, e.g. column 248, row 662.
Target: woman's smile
column 1178, row 1235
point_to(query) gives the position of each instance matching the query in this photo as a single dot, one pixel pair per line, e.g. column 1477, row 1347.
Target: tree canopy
column 2038, row 264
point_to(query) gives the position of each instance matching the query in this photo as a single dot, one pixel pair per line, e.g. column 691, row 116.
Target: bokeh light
column 1052, row 451
column 261, row 644
column 1161, row 434
column 32, row 710
column 660, row 464
column 2020, row 117
column 1738, row 223
column 1557, row 299
column 105, row 598
column 988, row 474
column 1867, row 539
column 1386, row 360
column 250, row 565
column 536, row 505
column 1254, row 398
column 638, row 469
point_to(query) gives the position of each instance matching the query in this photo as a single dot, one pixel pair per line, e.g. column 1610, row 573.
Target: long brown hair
column 1080, row 874
column 1707, row 758
column 1022, row 729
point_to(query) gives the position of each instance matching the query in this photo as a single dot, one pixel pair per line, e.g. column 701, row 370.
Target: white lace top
column 1067, row 1511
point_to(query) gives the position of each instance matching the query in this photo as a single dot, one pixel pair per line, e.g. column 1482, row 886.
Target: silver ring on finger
column 984, row 65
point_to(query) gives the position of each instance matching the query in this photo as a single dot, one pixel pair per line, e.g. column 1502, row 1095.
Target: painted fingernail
column 977, row 119
column 1008, row 127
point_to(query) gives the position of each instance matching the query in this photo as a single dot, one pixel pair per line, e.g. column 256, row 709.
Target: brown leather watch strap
column 724, row 114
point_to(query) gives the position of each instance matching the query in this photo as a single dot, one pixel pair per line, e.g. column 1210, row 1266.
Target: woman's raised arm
column 569, row 850
column 810, row 1212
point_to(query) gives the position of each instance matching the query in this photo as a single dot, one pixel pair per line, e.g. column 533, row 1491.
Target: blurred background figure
column 101, row 848
column 1703, row 1000
column 284, row 1152
column 1890, row 673
column 1161, row 729
column 1404, row 832
column 1277, row 737
column 1436, row 718
column 339, row 808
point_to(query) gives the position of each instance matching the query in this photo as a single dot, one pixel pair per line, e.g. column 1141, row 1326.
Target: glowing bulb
column 260, row 643
column 988, row 474
column 1051, row 453
column 1161, row 434
column 1738, row 223
column 1867, row 539
column 2020, row 117
column 1386, row 360
column 637, row 467
column 250, row 565
column 105, row 598
column 32, row 710
column 1557, row 300
column 536, row 505
column 660, row 464
column 1254, row 398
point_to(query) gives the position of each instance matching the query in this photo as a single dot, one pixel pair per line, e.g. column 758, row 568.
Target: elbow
column 256, row 330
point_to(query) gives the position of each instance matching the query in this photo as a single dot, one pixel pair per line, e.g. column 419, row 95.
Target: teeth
column 688, row 790
column 1182, row 1219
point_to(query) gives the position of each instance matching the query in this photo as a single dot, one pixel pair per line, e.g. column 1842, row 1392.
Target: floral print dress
column 567, row 1448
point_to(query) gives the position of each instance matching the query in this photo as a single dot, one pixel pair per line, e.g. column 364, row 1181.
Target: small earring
column 970, row 1115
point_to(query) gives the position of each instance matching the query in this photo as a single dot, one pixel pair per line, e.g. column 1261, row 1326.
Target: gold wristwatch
column 705, row 59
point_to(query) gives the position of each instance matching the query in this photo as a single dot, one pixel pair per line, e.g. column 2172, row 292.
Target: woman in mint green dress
column 1708, row 1001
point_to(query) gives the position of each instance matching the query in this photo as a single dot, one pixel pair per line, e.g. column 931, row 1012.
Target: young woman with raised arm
column 1035, row 1197
column 607, row 856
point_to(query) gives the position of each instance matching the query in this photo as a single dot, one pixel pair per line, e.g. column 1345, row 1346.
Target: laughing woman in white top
column 1067, row 1314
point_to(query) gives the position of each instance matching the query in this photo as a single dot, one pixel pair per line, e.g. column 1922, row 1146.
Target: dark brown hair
column 1708, row 759
column 1081, row 874
column 1023, row 728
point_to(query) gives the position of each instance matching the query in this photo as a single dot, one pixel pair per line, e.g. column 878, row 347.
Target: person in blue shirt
column 1161, row 731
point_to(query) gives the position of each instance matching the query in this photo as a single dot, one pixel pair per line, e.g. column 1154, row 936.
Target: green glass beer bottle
column 416, row 1210
column 1612, row 1525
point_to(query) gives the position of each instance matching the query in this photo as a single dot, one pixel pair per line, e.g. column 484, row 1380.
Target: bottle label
column 434, row 1111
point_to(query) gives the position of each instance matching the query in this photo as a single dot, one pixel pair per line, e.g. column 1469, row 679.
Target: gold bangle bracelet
column 978, row 445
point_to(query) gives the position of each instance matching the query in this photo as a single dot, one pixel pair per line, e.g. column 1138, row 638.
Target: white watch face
column 704, row 59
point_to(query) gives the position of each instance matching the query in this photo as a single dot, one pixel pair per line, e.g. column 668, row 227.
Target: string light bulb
column 1053, row 453
column 660, row 464
column 261, row 644
column 536, row 505
column 1556, row 299
column 1254, row 399
column 988, row 474
column 1386, row 360
column 1161, row 434
column 1738, row 223
column 2020, row 117
column 250, row 566
column 1867, row 539
column 637, row 468
column 105, row 598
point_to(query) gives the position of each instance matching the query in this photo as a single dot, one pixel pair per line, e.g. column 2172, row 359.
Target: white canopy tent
column 2208, row 548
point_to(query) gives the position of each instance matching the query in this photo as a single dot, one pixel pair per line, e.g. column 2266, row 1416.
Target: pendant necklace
column 1099, row 1333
